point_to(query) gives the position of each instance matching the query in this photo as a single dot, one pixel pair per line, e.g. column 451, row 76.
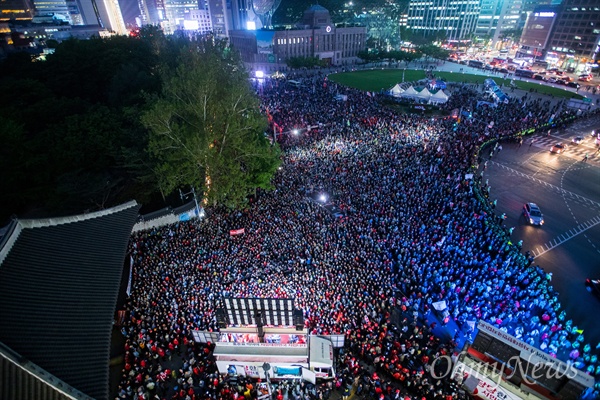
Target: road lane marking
column 553, row 243
column 561, row 190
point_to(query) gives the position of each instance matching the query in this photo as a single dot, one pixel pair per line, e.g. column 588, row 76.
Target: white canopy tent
column 410, row 93
column 424, row 94
column 439, row 97
column 396, row 91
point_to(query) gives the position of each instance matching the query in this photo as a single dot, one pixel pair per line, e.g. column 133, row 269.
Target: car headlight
column 531, row 220
column 542, row 222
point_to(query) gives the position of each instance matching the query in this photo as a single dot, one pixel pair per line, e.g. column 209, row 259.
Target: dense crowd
column 415, row 230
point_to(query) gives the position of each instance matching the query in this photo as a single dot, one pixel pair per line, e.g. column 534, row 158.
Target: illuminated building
column 576, row 36
column 316, row 36
column 455, row 19
column 16, row 10
column 536, row 33
column 198, row 21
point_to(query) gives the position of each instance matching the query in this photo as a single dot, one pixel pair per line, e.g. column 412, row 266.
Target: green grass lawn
column 375, row 80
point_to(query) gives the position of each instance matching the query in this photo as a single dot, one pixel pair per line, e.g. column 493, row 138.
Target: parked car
column 539, row 77
column 533, row 214
column 585, row 78
column 558, row 148
column 552, row 79
column 573, row 85
column 593, row 286
column 503, row 71
column 561, row 82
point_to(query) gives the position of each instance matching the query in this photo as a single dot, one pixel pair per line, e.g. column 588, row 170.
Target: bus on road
column 475, row 64
column 525, row 73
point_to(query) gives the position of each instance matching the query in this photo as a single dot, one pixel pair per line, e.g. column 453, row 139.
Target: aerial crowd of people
column 416, row 227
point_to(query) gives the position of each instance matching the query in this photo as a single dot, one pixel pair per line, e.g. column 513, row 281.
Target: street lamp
column 192, row 192
column 403, row 71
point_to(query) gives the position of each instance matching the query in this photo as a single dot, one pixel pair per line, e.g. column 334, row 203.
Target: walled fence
column 168, row 216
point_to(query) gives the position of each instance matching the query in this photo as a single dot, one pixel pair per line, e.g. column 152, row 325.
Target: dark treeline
column 80, row 132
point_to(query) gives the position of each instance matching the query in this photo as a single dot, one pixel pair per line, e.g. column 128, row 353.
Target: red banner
column 236, row 232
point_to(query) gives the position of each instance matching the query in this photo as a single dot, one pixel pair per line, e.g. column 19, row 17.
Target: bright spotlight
column 259, row 74
column 323, row 198
column 295, row 131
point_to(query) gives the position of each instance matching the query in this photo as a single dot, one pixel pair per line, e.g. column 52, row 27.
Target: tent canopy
column 424, row 94
column 410, row 92
column 439, row 97
column 396, row 90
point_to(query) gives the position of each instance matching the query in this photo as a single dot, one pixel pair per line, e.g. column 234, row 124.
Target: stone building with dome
column 315, row 36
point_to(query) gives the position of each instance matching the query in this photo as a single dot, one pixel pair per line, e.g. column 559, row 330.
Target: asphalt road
column 567, row 190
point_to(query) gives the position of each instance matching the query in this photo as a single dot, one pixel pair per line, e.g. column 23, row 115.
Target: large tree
column 206, row 129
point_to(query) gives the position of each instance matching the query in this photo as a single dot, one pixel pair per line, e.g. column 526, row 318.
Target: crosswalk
column 565, row 193
column 562, row 238
column 577, row 151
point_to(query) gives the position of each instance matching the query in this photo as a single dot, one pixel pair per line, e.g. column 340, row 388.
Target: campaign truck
column 266, row 339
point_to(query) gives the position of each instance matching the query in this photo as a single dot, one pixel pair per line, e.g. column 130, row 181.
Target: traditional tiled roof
column 59, row 280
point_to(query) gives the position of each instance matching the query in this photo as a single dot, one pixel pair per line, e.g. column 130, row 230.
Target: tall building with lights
column 489, row 17
column 148, row 12
column 315, row 36
column 456, row 19
column 536, row 33
column 58, row 8
column 227, row 15
column 198, row 21
column 106, row 13
column 220, row 16
column 110, row 16
column 576, row 37
column 15, row 10
column 176, row 11
column 500, row 16
column 240, row 13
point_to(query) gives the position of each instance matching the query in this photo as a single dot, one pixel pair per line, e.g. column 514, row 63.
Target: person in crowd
column 413, row 231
